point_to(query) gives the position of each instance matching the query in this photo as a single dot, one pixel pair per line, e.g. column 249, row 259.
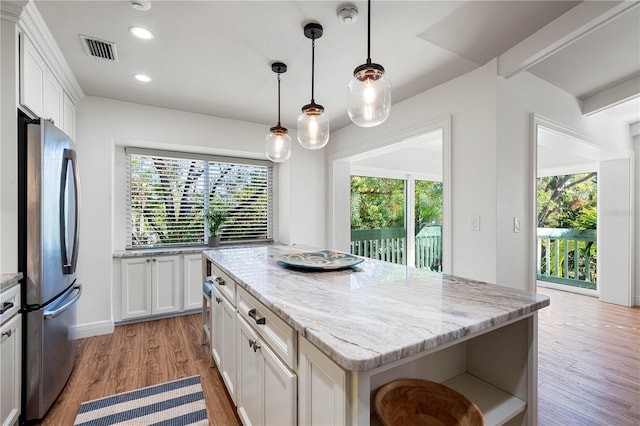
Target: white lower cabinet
column 10, row 368
column 266, row 386
column 223, row 338
column 192, row 281
column 322, row 388
column 150, row 286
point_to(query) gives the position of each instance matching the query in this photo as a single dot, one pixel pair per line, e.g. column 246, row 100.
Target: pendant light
column 278, row 142
column 313, row 125
column 369, row 98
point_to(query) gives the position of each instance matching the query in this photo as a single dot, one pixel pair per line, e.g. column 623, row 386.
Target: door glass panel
column 428, row 225
column 378, row 218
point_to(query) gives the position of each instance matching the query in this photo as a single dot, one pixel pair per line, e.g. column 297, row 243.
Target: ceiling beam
column 560, row 33
column 611, row 97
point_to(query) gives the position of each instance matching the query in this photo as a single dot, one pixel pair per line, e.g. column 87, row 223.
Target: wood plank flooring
column 140, row 355
column 589, row 364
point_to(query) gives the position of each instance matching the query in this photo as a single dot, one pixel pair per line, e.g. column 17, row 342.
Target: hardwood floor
column 140, row 355
column 589, row 364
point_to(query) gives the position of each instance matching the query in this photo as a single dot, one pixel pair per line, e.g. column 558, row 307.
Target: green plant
column 215, row 219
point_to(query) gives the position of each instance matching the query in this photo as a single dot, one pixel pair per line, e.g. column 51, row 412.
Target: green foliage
column 376, row 203
column 428, row 204
column 379, row 203
column 215, row 219
column 567, row 201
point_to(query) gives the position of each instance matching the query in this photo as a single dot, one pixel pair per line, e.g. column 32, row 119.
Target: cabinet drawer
column 9, row 303
column 277, row 333
column 224, row 284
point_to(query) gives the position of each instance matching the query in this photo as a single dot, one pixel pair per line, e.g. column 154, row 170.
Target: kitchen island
column 337, row 336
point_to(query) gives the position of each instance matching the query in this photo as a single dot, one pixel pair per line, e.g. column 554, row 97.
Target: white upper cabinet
column 41, row 92
column 69, row 117
column 53, row 100
column 32, row 77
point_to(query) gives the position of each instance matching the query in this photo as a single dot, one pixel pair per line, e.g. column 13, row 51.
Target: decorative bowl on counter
column 320, row 260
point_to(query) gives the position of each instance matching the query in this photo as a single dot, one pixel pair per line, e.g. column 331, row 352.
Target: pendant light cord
column 278, row 99
column 369, row 33
column 313, row 66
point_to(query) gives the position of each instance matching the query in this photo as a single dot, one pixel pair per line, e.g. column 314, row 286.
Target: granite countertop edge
column 9, row 280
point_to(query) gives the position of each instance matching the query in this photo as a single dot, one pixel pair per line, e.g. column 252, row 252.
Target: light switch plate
column 475, row 223
column 516, row 224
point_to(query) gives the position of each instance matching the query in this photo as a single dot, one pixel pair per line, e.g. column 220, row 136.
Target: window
column 379, row 215
column 168, row 193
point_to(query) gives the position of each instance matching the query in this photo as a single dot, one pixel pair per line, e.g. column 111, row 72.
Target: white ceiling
column 213, row 57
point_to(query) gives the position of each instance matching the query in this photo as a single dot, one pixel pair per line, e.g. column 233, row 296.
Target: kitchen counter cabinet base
column 478, row 336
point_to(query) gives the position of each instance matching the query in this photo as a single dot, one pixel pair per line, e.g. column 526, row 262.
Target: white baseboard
column 81, row 331
column 636, row 301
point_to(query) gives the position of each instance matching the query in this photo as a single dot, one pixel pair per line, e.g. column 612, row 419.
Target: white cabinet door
column 192, row 282
column 229, row 362
column 322, row 390
column 165, row 284
column 217, row 317
column 10, row 368
column 69, row 117
column 135, row 287
column 250, row 385
column 32, row 77
column 280, row 391
column 266, row 386
column 53, row 99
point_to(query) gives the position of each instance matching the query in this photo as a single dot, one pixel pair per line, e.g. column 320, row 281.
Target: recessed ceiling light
column 141, row 77
column 142, row 33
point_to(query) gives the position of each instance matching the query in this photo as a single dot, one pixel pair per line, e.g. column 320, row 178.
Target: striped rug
column 180, row 402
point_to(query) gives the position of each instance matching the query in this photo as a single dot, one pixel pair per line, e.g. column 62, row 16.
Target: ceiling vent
column 99, row 48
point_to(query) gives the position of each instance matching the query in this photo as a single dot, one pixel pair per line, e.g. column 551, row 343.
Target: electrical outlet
column 516, row 224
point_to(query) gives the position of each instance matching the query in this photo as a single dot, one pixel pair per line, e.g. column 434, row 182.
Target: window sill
column 168, row 251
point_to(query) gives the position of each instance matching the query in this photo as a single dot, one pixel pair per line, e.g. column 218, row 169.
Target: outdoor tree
column 568, row 201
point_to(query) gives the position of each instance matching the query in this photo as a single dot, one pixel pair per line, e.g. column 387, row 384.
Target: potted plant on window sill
column 215, row 219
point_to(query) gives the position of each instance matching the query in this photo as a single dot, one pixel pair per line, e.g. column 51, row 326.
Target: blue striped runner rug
column 180, row 402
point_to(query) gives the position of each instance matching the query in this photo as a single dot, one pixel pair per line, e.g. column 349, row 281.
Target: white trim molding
column 97, row 328
column 33, row 25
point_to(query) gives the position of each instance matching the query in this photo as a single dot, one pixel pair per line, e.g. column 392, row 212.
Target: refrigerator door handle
column 69, row 260
column 51, row 314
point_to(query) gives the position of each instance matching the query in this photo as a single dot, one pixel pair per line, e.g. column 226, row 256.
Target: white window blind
column 168, row 194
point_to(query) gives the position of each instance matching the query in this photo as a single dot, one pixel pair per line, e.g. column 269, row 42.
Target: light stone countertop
column 376, row 312
column 9, row 280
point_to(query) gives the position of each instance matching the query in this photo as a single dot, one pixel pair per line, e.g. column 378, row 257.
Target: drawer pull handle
column 5, row 307
column 258, row 319
column 219, row 281
column 254, row 344
column 218, row 300
column 8, row 334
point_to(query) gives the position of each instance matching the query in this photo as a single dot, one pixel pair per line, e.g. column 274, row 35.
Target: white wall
column 104, row 126
column 8, row 144
column 470, row 100
column 519, row 97
column 636, row 189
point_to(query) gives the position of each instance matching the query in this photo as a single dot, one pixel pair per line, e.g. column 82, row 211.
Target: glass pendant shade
column 313, row 124
column 369, row 91
column 278, row 145
column 313, row 128
column 369, row 96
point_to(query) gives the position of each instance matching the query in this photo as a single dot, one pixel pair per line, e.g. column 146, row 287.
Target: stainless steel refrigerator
column 48, row 254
